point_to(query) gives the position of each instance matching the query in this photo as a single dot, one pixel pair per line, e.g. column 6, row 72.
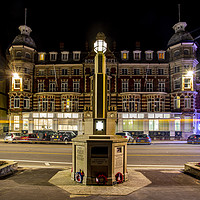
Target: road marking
column 25, row 152
column 156, row 166
column 166, row 155
column 38, row 161
column 47, row 163
column 129, row 155
column 170, row 172
column 129, row 165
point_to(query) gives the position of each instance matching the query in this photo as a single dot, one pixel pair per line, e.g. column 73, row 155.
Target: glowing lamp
column 189, row 73
column 15, row 75
column 100, row 45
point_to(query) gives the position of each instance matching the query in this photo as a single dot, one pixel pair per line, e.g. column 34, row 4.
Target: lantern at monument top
column 100, row 45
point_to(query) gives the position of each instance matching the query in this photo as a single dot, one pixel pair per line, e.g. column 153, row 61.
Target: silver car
column 12, row 136
column 126, row 135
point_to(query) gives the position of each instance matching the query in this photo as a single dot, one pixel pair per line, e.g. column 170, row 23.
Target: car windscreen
column 122, row 134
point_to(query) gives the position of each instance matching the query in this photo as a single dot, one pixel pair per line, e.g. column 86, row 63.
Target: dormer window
column 76, row 55
column 64, row 55
column 41, row 56
column 137, row 55
column 124, row 55
column 161, row 55
column 53, row 56
column 149, row 55
column 18, row 54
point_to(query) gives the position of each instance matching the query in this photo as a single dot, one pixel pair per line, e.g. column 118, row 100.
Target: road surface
column 174, row 155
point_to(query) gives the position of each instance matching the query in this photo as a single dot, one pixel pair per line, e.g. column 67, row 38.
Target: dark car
column 44, row 135
column 64, row 136
column 193, row 139
column 143, row 139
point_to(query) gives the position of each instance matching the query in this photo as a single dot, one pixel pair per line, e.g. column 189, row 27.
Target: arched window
column 176, row 53
column 186, row 51
column 26, row 102
column 28, row 55
column 16, row 102
column 18, row 54
column 187, row 102
column 177, row 102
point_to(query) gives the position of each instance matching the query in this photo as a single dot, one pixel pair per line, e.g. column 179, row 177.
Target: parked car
column 44, row 135
column 29, row 136
column 64, row 136
column 143, row 139
column 126, row 135
column 193, row 139
column 12, row 136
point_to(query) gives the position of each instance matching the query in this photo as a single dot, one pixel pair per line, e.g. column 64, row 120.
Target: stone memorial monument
column 99, row 156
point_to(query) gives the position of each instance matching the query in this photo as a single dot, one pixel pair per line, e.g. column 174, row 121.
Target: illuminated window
column 17, row 84
column 187, row 83
column 124, row 55
column 177, row 102
column 177, row 125
column 41, row 56
column 161, row 55
column 68, row 105
column 16, row 123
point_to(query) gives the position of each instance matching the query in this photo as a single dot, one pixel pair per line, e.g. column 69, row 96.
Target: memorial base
column 99, row 159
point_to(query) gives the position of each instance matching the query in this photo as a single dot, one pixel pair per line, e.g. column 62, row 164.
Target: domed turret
column 24, row 38
column 180, row 34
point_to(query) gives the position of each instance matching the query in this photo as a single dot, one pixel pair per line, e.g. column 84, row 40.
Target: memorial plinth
column 99, row 157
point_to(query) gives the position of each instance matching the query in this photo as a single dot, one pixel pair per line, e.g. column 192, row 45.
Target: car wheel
column 66, row 141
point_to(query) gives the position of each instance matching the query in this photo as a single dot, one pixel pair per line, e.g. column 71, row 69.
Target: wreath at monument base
column 101, row 179
column 79, row 177
column 119, row 177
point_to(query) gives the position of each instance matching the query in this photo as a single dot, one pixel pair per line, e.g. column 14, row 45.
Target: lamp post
column 99, row 155
column 100, row 87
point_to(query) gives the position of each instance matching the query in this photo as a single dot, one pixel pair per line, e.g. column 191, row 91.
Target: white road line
column 48, row 163
column 38, row 161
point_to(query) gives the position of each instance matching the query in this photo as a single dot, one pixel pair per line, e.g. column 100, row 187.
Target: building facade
column 148, row 92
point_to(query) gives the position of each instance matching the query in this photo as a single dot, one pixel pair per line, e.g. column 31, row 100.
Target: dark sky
column 74, row 22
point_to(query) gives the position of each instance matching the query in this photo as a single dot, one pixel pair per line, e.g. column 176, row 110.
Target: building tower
column 182, row 61
column 20, row 56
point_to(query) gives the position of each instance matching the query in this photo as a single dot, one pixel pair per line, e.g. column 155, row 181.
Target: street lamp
column 190, row 73
column 100, row 45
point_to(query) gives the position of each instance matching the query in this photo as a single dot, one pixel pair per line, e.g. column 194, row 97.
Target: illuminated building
column 152, row 92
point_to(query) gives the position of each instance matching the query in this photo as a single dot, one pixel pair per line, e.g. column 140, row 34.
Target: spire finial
column 25, row 15
column 179, row 12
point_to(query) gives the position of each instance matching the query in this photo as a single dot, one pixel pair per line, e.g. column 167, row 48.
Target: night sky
column 75, row 22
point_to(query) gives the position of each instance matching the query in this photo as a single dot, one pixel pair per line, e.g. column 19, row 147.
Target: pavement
column 51, row 184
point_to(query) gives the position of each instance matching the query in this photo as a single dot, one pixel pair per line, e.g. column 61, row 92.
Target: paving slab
column 136, row 181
